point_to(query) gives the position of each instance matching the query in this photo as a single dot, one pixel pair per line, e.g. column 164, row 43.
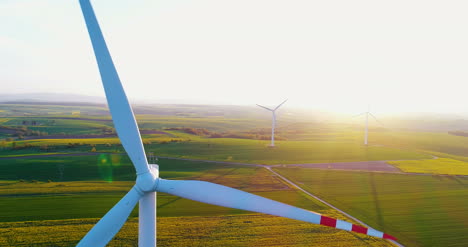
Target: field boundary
column 324, row 202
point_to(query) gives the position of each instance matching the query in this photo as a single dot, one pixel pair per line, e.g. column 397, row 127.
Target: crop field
column 418, row 210
column 35, row 109
column 62, row 197
column 441, row 143
column 60, row 169
column 306, row 142
column 222, row 230
column 434, row 166
column 286, row 152
column 210, row 123
column 63, row 211
column 309, row 142
column 55, row 126
column 81, row 197
column 243, row 150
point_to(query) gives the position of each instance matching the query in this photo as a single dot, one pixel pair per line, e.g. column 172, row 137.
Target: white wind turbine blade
column 280, row 105
column 265, row 107
column 122, row 114
column 228, row 197
column 372, row 115
column 110, row 224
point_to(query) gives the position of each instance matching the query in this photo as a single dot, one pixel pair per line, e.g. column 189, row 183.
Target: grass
column 55, row 126
column 286, row 152
column 308, row 142
column 241, row 150
column 433, row 166
column 418, row 210
column 24, row 154
column 87, row 141
column 80, row 168
column 68, row 199
column 62, row 212
column 41, row 110
column 37, row 188
column 442, row 143
column 210, row 123
column 229, row 119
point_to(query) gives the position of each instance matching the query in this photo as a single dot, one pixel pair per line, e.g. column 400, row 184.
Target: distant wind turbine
column 148, row 181
column 273, row 121
column 366, row 130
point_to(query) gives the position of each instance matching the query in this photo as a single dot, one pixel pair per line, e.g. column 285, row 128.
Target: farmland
column 223, row 230
column 64, row 210
column 183, row 145
column 303, row 141
column 418, row 210
column 238, row 150
column 434, row 166
column 440, row 144
column 310, row 142
column 56, row 195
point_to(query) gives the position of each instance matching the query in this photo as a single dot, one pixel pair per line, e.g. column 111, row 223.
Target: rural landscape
column 62, row 167
column 236, row 123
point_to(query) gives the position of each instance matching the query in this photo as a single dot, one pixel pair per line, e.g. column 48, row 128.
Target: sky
column 396, row 56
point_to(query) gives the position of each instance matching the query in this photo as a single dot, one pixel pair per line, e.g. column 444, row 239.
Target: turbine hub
column 147, row 181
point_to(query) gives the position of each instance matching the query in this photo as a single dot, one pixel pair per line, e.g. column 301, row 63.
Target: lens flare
column 105, row 167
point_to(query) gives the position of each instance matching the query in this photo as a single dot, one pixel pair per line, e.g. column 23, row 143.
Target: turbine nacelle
column 148, row 181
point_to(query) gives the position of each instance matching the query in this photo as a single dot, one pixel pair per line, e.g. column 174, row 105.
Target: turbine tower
column 273, row 121
column 148, row 181
column 366, row 128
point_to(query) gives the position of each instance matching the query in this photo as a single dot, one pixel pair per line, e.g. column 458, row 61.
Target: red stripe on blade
column 386, row 236
column 359, row 229
column 327, row 221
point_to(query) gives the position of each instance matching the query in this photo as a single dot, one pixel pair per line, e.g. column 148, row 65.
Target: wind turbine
column 273, row 121
column 366, row 129
column 148, row 181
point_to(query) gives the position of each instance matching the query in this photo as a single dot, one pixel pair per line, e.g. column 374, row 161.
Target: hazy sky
column 334, row 55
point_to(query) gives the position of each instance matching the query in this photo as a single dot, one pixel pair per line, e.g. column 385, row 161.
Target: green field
column 66, row 126
column 442, row 144
column 241, row 150
column 305, row 142
column 29, row 206
column 418, row 210
column 36, row 109
column 86, row 195
column 286, row 152
column 53, row 201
